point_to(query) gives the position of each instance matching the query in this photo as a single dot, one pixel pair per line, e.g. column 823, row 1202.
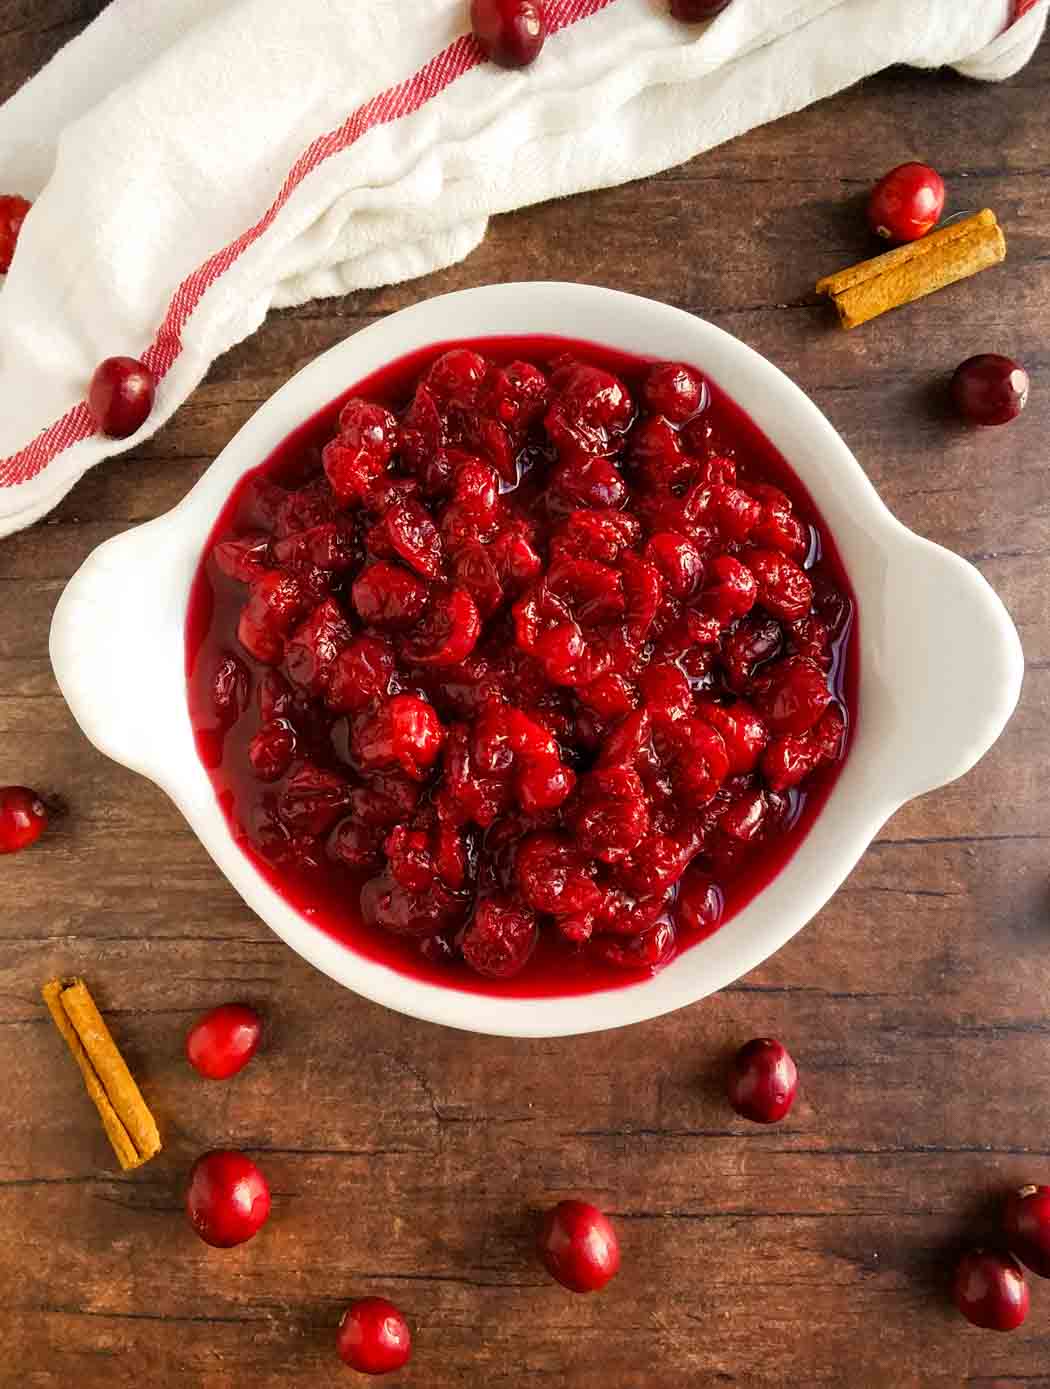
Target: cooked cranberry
column 990, row 1290
column 447, row 633
column 906, row 203
column 223, row 1042
column 762, row 1081
column 730, row 589
column 989, row 389
column 554, row 877
column 679, row 562
column 228, row 1200
column 312, row 800
column 373, row 1338
column 272, row 749
column 692, row 11
column 674, row 391
column 275, row 601
column 511, row 32
column 700, row 902
column 404, row 912
column 121, row 396
column 650, row 949
column 13, row 210
column 358, row 458
column 244, row 559
column 500, row 939
column 613, row 814
column 313, row 648
column 360, row 673
column 23, row 818
column 784, row 589
column 579, row 1247
column 792, row 695
column 790, row 759
column 743, row 732
column 403, row 732
column 231, row 689
column 1027, row 1222
column 386, row 595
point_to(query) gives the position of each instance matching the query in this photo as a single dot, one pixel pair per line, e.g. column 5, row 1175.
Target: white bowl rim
column 117, row 694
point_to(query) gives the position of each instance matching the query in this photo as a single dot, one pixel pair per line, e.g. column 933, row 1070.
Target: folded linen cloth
column 195, row 163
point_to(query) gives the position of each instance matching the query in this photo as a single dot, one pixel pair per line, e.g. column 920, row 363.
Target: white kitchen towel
column 194, row 163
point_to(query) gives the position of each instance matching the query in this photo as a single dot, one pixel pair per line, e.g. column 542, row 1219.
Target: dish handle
column 113, row 652
column 952, row 661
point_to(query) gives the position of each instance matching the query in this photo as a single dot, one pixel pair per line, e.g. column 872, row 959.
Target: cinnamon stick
column 125, row 1116
column 910, row 272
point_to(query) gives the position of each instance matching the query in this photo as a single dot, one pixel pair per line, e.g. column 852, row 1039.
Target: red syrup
column 224, row 678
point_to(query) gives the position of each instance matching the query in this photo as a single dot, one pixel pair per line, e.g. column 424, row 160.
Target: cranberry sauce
column 522, row 666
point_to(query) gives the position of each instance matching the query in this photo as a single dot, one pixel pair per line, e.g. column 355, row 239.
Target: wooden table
column 408, row 1160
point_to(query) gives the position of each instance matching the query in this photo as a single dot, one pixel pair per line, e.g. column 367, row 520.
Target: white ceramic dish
column 940, row 660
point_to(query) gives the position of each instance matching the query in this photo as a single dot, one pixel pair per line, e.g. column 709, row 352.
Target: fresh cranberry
column 1027, row 1222
column 373, row 1337
column 223, row 1042
column 228, row 1200
column 13, row 210
column 762, row 1081
column 511, row 32
column 692, row 11
column 906, row 203
column 121, row 396
column 23, row 818
column 990, row 1290
column 989, row 389
column 579, row 1247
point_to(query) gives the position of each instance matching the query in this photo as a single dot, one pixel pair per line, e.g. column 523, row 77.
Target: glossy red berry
column 373, row 1337
column 990, row 1290
column 121, row 396
column 1027, row 1221
column 579, row 1247
column 763, row 1081
column 692, row 11
column 23, row 818
column 223, row 1042
column 906, row 203
column 228, row 1200
column 13, row 211
column 511, row 32
column 673, row 390
column 989, row 389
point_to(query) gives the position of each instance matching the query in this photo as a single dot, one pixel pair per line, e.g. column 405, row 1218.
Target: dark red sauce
column 327, row 892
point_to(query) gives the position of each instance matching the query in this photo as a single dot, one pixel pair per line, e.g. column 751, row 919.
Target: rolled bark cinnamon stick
column 910, row 272
column 125, row 1116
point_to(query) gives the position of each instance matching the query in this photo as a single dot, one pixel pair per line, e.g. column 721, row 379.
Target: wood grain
column 410, row 1161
